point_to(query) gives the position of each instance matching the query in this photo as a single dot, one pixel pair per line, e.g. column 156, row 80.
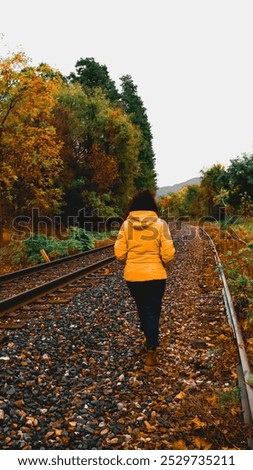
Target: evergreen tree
column 90, row 74
column 134, row 107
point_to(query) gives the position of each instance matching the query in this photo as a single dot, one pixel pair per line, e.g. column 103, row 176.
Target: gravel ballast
column 73, row 378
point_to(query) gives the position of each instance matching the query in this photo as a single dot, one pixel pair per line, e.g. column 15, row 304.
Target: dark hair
column 143, row 200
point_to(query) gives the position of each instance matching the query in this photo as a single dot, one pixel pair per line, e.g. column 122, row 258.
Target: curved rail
column 246, row 390
column 28, row 296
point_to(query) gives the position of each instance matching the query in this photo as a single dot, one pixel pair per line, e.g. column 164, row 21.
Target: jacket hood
column 142, row 219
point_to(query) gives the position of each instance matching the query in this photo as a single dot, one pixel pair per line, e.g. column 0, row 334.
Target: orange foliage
column 103, row 168
column 29, row 147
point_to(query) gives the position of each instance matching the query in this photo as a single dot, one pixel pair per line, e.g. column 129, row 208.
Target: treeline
column 222, row 192
column 70, row 143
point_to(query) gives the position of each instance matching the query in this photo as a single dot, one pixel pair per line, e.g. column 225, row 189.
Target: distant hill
column 176, row 187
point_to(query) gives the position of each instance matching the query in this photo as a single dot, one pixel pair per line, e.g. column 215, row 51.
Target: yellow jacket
column 145, row 246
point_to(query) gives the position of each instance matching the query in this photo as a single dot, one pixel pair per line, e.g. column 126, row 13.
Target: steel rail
column 12, row 303
column 247, row 404
column 23, row 272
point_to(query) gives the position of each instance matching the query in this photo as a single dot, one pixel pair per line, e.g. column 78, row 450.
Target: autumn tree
column 191, row 202
column 100, row 150
column 164, row 205
column 213, row 181
column 221, row 192
column 91, row 75
column 30, row 159
column 170, row 205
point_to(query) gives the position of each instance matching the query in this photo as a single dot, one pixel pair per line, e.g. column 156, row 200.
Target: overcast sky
column 190, row 59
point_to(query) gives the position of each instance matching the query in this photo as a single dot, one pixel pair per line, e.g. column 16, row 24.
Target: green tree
column 100, row 150
column 93, row 76
column 90, row 74
column 134, row 107
column 240, row 175
column 190, row 204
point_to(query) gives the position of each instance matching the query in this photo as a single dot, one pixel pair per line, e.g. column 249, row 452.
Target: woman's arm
column 120, row 246
column 167, row 249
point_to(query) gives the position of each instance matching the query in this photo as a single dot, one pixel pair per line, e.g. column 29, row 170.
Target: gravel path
column 74, row 377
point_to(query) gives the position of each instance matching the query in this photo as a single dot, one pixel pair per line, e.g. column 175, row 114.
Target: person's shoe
column 151, row 359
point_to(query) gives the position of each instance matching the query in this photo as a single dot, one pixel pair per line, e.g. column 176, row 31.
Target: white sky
column 190, row 59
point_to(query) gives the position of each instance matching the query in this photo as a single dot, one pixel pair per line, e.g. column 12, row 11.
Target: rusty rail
column 12, row 303
column 244, row 373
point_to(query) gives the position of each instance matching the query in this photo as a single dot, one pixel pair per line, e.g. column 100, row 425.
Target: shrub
column 77, row 241
column 79, row 234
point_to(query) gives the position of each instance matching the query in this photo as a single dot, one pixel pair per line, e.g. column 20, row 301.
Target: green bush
column 85, row 238
column 105, row 235
column 34, row 244
column 77, row 241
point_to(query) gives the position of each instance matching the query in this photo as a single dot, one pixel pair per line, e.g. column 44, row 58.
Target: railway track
column 32, row 276
column 243, row 369
column 39, row 281
column 87, row 354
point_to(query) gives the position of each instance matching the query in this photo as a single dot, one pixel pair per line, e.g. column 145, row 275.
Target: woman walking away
column 145, row 247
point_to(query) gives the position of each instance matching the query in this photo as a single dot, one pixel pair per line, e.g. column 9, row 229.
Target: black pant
column 148, row 298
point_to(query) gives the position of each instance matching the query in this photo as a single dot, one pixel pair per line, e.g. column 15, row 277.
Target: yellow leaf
column 179, row 445
column 234, row 374
column 149, row 426
column 73, row 424
column 198, row 423
column 201, row 443
column 19, row 403
column 222, row 337
column 212, row 399
column 250, row 342
column 30, row 420
column 181, row 396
